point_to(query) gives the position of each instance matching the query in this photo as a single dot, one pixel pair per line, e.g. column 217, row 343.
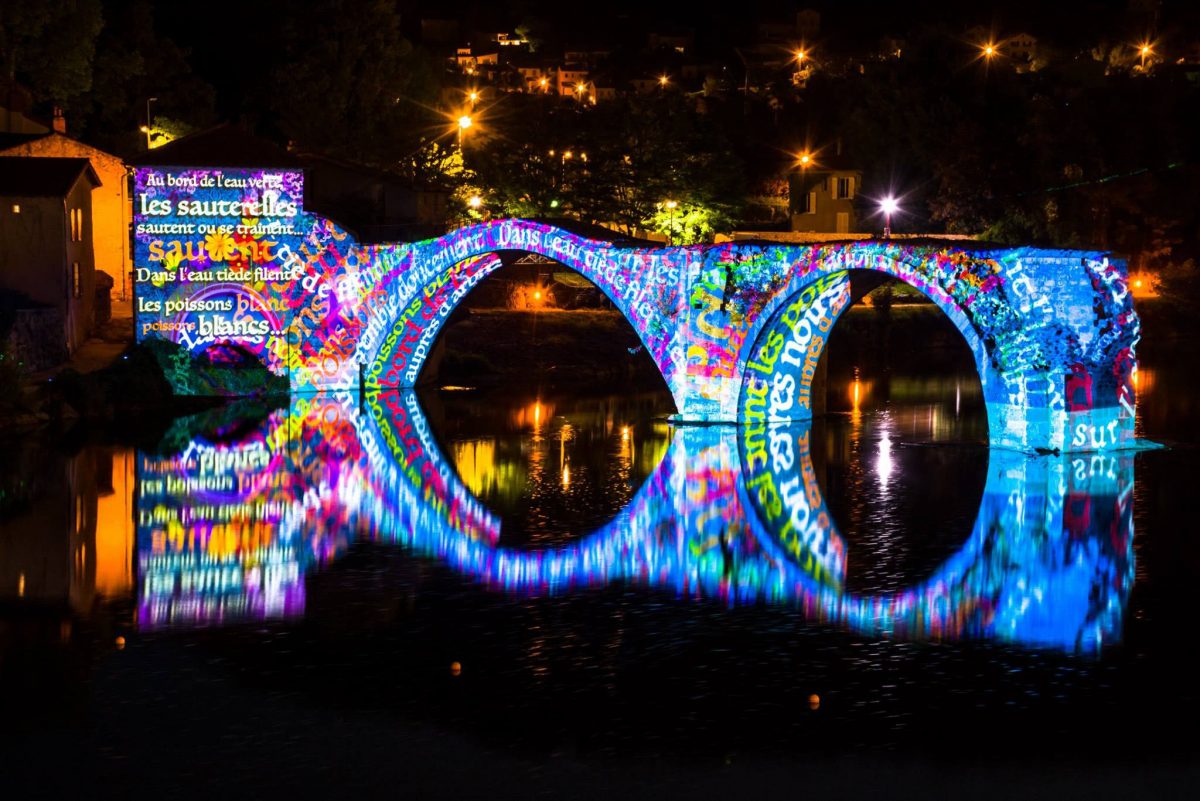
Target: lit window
column 76, row 281
column 16, row 208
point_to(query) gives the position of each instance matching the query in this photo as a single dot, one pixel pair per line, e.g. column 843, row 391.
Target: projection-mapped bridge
column 737, row 329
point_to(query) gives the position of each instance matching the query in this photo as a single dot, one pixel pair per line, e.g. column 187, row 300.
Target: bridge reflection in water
column 228, row 528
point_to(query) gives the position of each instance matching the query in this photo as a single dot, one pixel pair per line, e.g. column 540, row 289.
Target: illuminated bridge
column 736, row 329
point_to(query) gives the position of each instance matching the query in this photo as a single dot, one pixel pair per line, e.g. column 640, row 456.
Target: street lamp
column 149, row 122
column 473, row 96
column 475, row 202
column 800, row 56
column 663, row 80
column 989, row 50
column 671, row 205
column 889, row 206
column 1144, row 50
column 464, row 122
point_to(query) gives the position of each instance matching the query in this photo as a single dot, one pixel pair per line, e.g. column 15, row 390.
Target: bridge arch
column 779, row 357
column 438, row 274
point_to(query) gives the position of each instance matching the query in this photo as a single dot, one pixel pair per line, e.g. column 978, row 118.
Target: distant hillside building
column 46, row 250
column 822, row 197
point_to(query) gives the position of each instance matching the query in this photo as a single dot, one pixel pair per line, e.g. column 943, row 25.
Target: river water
column 547, row 576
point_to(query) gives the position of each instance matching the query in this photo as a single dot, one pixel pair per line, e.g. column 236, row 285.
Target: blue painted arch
column 608, row 267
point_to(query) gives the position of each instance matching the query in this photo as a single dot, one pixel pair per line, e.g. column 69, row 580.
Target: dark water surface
column 543, row 593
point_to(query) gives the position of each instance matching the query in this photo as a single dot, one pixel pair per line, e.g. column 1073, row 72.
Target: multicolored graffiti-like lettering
column 229, row 256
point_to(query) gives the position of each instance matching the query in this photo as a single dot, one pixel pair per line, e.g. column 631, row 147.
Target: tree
column 350, row 85
column 616, row 164
column 49, row 45
column 135, row 61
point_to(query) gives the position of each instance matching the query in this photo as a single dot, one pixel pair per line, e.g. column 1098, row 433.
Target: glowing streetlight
column 671, row 205
column 663, row 80
column 544, row 83
column 989, row 50
column 473, row 96
column 1144, row 49
column 800, row 56
column 804, row 159
column 889, row 206
column 475, row 202
column 464, row 122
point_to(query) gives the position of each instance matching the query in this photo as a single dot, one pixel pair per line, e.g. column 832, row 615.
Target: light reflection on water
column 1034, row 551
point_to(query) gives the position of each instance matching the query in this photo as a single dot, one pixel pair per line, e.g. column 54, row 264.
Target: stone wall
column 37, row 339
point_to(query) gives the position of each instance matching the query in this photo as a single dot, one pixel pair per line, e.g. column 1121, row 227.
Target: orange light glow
column 114, row 528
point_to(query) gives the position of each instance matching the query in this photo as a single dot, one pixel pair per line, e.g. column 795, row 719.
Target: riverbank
column 583, row 348
column 143, row 386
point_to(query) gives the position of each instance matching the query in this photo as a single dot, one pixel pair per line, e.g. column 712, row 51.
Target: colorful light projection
column 227, row 531
column 228, row 256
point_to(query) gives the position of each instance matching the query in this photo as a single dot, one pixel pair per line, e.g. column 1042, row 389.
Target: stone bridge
column 737, row 329
column 229, row 256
